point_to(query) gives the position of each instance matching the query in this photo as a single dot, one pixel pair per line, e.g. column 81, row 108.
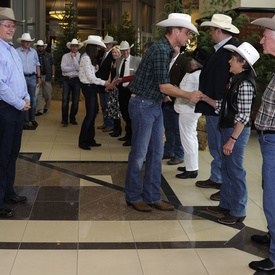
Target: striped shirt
column 153, row 70
column 265, row 118
column 13, row 88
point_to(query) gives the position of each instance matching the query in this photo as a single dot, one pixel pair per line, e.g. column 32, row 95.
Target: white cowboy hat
column 265, row 22
column 247, row 51
column 221, row 21
column 95, row 40
column 109, row 40
column 124, row 45
column 40, row 43
column 7, row 14
column 74, row 42
column 179, row 20
column 25, row 37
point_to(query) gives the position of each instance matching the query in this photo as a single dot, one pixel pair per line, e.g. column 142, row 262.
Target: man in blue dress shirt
column 14, row 100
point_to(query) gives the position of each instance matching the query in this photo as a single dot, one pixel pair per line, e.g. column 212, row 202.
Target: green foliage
column 68, row 31
column 125, row 31
column 218, row 6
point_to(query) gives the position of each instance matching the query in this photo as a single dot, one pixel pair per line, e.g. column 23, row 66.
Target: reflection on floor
column 76, row 220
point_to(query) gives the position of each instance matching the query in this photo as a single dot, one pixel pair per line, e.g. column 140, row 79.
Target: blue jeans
column 234, row 189
column 87, row 133
column 172, row 145
column 31, row 85
column 147, row 128
column 70, row 85
column 267, row 144
column 103, row 103
column 215, row 147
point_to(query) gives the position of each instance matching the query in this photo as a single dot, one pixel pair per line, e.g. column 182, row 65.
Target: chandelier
column 58, row 9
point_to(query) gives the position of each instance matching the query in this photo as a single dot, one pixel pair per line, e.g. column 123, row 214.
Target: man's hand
column 196, row 96
column 27, row 105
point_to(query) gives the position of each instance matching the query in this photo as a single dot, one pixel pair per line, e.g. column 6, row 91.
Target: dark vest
column 230, row 105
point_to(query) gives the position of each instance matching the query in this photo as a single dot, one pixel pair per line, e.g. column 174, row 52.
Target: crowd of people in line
column 163, row 90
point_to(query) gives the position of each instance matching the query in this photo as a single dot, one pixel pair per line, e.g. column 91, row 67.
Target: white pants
column 188, row 135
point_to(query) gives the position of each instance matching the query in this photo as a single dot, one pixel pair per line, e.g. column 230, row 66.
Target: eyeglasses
column 9, row 26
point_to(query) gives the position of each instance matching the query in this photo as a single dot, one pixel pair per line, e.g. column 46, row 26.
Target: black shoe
column 84, row 147
column 187, row 175
column 263, row 266
column 26, row 126
column 261, row 239
column 182, row 169
column 123, row 138
column 127, row 143
column 116, row 133
column 16, row 199
column 6, row 213
column 74, row 122
column 45, row 110
column 64, row 122
column 34, row 123
column 95, row 144
column 39, row 114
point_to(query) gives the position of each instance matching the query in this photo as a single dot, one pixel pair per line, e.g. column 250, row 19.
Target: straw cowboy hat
column 124, row 45
column 247, row 51
column 221, row 21
column 40, row 43
column 25, row 37
column 74, row 42
column 109, row 40
column 265, row 22
column 7, row 14
column 95, row 40
column 179, row 20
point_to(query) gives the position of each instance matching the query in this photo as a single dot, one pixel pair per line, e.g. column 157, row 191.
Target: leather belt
column 265, row 132
column 30, row 74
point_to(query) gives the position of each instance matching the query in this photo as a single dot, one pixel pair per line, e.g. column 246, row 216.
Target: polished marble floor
column 76, row 221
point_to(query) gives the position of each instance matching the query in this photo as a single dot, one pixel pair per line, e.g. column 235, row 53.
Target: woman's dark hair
column 91, row 51
column 239, row 58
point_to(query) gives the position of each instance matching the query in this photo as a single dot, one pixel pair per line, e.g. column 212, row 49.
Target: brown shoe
column 107, row 129
column 101, row 127
column 163, row 206
column 217, row 210
column 174, row 161
column 140, row 206
column 230, row 220
column 216, row 196
column 208, row 184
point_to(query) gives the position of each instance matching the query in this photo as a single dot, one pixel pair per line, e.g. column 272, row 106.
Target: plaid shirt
column 153, row 71
column 244, row 101
column 265, row 118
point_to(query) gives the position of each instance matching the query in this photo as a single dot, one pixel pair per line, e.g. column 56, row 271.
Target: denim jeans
column 267, row 144
column 87, row 133
column 147, row 127
column 215, row 148
column 172, row 145
column 31, row 85
column 103, row 103
column 234, row 189
column 70, row 85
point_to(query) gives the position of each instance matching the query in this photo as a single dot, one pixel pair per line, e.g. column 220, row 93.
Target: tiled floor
column 76, row 220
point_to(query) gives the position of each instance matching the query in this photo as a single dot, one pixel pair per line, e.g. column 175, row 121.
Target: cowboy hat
column 74, row 42
column 124, row 45
column 95, row 40
column 265, row 22
column 178, row 20
column 25, row 37
column 247, row 51
column 7, row 14
column 109, row 40
column 221, row 21
column 40, row 43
